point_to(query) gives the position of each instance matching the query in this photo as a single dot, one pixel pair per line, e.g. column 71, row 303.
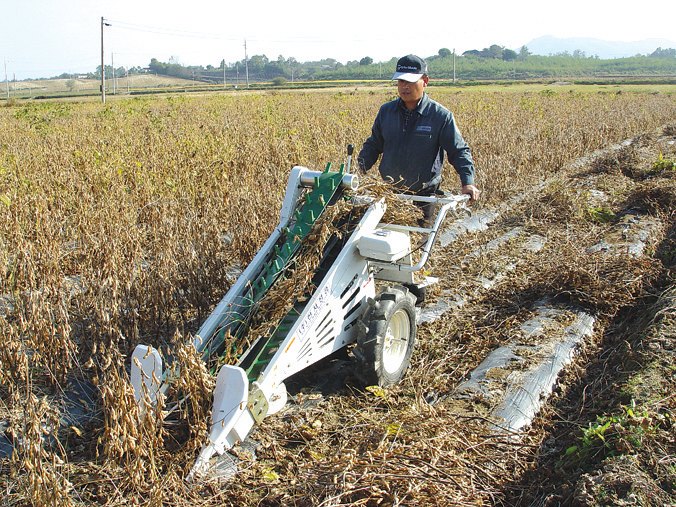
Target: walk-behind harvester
column 339, row 306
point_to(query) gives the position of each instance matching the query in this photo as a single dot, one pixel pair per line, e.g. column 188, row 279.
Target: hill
column 550, row 45
column 59, row 87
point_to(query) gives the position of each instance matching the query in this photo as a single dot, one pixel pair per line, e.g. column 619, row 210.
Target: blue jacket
column 413, row 151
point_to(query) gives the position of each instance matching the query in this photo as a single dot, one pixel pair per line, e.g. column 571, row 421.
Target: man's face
column 411, row 93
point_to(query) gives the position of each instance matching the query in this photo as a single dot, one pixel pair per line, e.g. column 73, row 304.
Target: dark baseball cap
column 410, row 68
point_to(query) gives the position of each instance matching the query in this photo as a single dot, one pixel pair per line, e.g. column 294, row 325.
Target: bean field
column 121, row 223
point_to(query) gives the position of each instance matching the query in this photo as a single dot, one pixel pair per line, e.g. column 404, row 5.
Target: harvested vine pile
column 126, row 223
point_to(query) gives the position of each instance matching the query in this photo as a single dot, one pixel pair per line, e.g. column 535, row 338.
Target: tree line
column 494, row 62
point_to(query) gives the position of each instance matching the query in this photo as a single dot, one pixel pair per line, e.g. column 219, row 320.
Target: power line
column 166, row 31
column 200, row 35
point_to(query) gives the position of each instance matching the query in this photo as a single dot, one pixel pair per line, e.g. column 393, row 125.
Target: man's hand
column 472, row 191
column 362, row 165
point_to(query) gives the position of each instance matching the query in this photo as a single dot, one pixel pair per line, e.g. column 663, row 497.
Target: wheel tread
column 372, row 331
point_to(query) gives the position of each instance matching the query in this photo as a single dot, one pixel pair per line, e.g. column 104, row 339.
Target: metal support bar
column 447, row 203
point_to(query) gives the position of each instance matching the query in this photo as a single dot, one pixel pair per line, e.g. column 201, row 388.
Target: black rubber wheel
column 419, row 293
column 386, row 337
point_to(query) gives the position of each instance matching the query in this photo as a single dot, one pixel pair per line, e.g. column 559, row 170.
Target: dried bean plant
column 123, row 224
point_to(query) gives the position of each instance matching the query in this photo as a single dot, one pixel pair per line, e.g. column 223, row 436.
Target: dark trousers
column 428, row 208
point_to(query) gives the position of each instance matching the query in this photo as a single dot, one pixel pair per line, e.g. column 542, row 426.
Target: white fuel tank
column 385, row 245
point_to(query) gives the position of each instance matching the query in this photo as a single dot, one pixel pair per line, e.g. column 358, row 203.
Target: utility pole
column 112, row 64
column 453, row 65
column 6, row 81
column 246, row 64
column 103, row 68
column 224, row 73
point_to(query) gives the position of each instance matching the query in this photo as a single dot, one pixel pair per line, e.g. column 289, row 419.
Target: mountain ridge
column 550, row 45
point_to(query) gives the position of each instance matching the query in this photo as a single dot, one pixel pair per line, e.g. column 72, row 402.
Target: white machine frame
column 326, row 324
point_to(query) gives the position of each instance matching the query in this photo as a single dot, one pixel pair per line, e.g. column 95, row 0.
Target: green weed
column 612, row 435
column 662, row 164
column 599, row 214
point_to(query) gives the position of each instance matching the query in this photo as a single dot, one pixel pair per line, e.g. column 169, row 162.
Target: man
column 412, row 133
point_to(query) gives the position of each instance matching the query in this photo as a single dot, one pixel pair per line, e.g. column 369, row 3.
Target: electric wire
column 166, row 31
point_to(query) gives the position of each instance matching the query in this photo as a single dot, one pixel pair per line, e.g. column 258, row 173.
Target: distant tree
column 367, row 60
column 257, row 63
column 274, row 69
column 156, row 66
column 495, row 50
column 578, row 53
column 108, row 74
column 523, row 53
column 509, row 55
column 279, row 81
column 663, row 53
column 168, row 69
column 445, row 52
column 472, row 53
column 328, row 63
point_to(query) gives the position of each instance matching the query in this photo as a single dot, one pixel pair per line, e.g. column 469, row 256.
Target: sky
column 45, row 38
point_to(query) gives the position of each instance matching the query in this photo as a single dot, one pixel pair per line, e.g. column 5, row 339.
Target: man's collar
column 421, row 108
